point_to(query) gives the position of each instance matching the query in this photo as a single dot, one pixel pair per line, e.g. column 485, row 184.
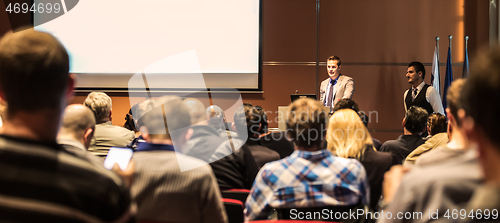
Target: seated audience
column 481, row 103
column 346, row 103
column 40, row 182
column 106, row 134
column 233, row 163
column 251, row 123
column 217, row 120
column 131, row 124
column 351, row 104
column 436, row 127
column 205, row 140
column 413, row 126
column 311, row 176
column 445, row 184
column 162, row 190
column 276, row 141
column 348, row 138
column 77, row 129
column 458, row 141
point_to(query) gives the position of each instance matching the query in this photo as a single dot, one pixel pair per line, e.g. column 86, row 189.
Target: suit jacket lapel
column 337, row 87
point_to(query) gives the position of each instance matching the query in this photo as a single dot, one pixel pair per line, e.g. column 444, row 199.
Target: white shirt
column 431, row 95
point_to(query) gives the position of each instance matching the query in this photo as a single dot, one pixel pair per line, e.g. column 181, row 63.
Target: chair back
column 237, row 194
column 234, row 210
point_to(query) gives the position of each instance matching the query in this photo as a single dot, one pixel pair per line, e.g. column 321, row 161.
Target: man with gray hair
column 106, row 134
column 163, row 189
column 76, row 132
column 205, row 139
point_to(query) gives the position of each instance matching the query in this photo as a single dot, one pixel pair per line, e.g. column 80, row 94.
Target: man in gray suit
column 336, row 87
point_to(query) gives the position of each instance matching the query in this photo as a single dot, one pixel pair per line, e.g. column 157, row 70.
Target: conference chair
column 234, row 210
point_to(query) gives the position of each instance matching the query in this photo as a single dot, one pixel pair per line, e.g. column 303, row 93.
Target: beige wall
column 374, row 39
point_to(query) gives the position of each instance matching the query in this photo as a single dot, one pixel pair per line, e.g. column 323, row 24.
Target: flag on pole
column 465, row 73
column 435, row 71
column 448, row 77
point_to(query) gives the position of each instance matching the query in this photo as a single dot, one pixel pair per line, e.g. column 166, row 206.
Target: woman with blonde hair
column 348, row 137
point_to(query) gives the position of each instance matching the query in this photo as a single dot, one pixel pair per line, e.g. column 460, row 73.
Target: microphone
column 296, row 91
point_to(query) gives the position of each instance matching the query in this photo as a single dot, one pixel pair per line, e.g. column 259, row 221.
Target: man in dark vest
column 421, row 94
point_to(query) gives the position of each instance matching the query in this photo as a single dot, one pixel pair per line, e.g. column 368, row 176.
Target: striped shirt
column 40, row 182
column 165, row 193
column 307, row 179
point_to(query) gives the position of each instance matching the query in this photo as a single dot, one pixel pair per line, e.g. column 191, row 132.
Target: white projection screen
column 174, row 44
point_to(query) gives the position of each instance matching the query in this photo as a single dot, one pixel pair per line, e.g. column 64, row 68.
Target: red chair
column 234, row 210
column 237, row 194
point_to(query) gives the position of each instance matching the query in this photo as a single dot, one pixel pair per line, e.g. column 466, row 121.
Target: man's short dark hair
column 480, row 94
column 453, row 98
column 416, row 119
column 346, row 103
column 437, row 124
column 34, row 70
column 306, row 122
column 335, row 58
column 418, row 67
column 249, row 119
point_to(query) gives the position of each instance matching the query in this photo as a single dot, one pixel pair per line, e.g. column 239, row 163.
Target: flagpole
column 466, row 41
column 465, row 72
column 437, row 45
column 449, row 38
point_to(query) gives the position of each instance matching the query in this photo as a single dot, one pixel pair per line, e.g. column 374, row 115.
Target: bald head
column 77, row 119
column 196, row 111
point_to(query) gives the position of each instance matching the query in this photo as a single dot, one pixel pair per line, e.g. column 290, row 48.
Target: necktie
column 330, row 95
column 414, row 94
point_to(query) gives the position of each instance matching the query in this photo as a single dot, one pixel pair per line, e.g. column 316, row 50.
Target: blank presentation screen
column 109, row 41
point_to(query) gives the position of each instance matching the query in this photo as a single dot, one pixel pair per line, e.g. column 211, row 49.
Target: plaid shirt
column 307, row 179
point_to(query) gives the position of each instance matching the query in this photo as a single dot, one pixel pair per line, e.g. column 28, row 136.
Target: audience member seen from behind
column 205, row 140
column 51, row 185
column 166, row 188
column 348, row 138
column 282, row 184
column 275, row 141
column 106, row 134
column 76, row 132
column 458, row 142
column 252, row 121
column 481, row 104
column 437, row 126
column 414, row 124
column 233, row 163
column 351, row 104
column 131, row 124
column 442, row 179
column 217, row 120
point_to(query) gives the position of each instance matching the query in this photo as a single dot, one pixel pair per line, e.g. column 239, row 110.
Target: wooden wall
column 375, row 40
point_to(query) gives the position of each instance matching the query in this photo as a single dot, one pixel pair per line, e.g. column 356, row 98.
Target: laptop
column 294, row 97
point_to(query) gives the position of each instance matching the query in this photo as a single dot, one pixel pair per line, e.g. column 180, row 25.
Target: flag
column 435, row 71
column 465, row 73
column 448, row 77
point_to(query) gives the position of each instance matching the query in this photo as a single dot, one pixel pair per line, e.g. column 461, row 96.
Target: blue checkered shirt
column 307, row 179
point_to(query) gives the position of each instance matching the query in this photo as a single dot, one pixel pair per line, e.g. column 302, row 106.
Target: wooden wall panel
column 388, row 31
column 289, row 30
